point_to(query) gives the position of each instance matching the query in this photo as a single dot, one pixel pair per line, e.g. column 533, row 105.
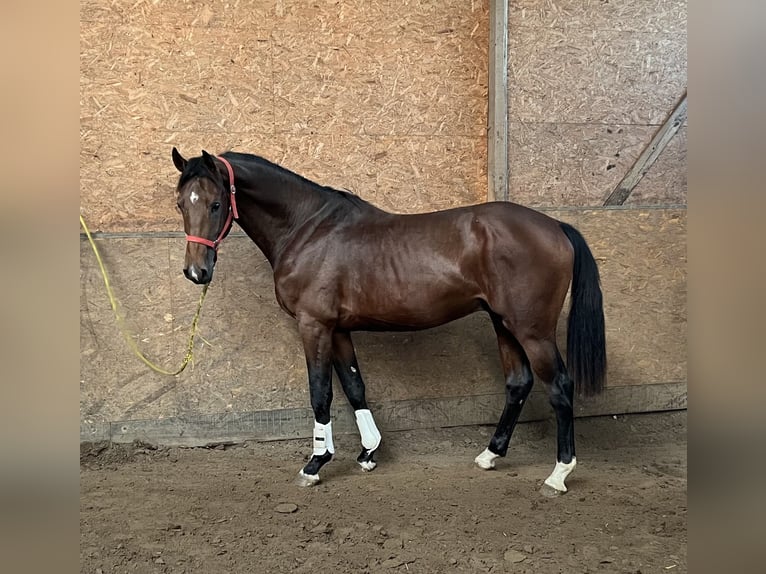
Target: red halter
column 230, row 217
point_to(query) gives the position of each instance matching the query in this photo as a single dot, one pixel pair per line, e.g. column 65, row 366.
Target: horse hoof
column 486, row 459
column 554, row 484
column 550, row 492
column 304, row 479
column 366, row 460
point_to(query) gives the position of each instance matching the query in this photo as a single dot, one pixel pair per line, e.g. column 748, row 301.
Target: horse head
column 206, row 206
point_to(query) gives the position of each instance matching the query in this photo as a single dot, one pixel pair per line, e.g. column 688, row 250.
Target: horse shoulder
column 305, row 282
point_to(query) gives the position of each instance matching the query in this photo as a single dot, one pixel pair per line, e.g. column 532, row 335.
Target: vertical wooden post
column 497, row 113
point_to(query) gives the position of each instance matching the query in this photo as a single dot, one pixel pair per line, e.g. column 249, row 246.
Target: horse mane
column 340, row 195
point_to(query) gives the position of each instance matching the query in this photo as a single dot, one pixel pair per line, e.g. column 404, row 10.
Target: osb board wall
column 387, row 99
column 248, row 356
column 642, row 262
column 589, row 83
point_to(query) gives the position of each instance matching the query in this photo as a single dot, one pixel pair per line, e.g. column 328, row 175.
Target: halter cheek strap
column 232, row 189
column 233, row 214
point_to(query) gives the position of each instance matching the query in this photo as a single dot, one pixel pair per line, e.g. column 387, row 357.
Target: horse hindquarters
column 586, row 356
column 529, row 306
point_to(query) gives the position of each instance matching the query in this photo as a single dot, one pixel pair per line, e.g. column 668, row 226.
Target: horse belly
column 408, row 305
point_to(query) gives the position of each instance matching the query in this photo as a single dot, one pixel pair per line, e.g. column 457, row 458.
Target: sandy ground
column 426, row 508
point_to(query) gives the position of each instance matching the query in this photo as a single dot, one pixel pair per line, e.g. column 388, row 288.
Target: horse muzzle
column 198, row 275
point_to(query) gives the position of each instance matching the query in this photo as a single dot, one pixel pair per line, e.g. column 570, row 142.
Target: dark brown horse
column 341, row 264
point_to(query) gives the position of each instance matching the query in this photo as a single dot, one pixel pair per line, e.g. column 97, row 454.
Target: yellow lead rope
column 121, row 320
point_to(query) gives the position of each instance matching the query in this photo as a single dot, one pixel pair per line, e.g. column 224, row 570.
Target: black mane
column 342, row 195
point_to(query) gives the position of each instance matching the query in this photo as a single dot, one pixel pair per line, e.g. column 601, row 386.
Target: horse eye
column 215, row 207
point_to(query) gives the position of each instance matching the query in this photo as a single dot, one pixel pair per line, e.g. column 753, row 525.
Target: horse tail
column 586, row 338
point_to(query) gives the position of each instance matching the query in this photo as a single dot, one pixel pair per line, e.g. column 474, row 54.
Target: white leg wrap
column 486, row 459
column 559, row 475
column 368, row 430
column 323, row 438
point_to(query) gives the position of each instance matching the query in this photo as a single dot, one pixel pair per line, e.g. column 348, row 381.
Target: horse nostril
column 195, row 274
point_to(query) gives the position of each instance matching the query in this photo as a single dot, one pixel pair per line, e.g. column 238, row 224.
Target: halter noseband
column 231, row 216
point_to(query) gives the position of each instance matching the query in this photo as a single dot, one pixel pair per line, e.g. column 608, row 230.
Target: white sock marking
column 559, row 475
column 486, row 459
column 323, row 438
column 368, row 430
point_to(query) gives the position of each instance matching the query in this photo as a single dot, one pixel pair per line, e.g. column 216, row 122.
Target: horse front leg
column 347, row 367
column 317, row 345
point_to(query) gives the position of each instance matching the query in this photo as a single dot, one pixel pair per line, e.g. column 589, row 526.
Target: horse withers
column 341, row 265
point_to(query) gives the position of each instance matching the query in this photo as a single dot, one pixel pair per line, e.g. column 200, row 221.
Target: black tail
column 586, row 339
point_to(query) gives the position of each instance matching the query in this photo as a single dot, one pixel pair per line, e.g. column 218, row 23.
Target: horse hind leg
column 546, row 361
column 518, row 384
column 347, row 368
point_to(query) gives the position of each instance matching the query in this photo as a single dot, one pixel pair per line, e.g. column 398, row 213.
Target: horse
column 341, row 264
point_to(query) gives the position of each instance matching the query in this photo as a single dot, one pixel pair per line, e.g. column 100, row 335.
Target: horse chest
column 306, row 291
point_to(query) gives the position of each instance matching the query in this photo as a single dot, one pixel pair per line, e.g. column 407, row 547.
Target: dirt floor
column 426, row 508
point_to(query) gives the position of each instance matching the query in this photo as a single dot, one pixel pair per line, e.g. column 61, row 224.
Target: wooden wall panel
column 587, row 81
column 657, row 16
column 337, row 81
column 570, row 164
column 594, row 76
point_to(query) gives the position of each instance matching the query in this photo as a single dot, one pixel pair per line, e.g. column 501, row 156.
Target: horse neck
column 273, row 205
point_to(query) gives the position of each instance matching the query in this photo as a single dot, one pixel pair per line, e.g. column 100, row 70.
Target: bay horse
column 341, row 264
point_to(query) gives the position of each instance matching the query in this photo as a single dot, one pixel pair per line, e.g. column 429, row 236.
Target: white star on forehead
column 193, row 197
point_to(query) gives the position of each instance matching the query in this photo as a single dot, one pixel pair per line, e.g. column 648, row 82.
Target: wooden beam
column 497, row 113
column 649, row 155
column 232, row 428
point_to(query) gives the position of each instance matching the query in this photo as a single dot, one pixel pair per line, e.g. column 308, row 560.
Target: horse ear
column 179, row 161
column 209, row 162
